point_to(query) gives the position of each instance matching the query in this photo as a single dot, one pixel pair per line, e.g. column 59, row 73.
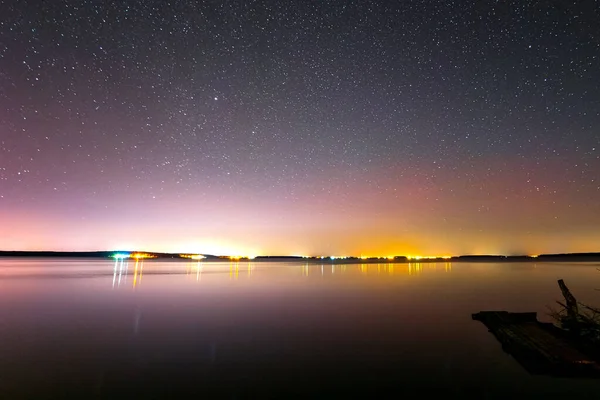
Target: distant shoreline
column 330, row 260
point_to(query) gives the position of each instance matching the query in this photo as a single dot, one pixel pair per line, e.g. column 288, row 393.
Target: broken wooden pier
column 543, row 348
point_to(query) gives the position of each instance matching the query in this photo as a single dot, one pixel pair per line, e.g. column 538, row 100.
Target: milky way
column 297, row 127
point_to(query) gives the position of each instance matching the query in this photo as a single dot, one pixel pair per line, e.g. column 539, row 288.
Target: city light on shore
column 193, row 256
column 139, row 256
column 120, row 256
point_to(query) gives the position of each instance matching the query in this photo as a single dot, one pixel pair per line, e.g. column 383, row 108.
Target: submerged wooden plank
column 539, row 347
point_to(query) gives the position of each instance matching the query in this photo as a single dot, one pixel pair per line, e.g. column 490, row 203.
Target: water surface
column 102, row 329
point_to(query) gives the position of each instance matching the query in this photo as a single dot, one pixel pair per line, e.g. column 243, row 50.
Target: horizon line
column 331, row 256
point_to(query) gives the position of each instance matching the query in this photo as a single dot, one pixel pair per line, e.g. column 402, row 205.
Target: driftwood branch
column 571, row 307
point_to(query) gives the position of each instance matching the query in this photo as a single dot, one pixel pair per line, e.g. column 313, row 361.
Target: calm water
column 96, row 329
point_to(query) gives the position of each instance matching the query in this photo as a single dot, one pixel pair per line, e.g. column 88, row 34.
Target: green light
column 120, row 256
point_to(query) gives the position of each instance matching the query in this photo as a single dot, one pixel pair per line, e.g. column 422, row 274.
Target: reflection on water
column 121, row 272
column 124, row 270
column 134, row 328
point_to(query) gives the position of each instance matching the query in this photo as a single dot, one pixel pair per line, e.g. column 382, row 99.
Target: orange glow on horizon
column 420, row 218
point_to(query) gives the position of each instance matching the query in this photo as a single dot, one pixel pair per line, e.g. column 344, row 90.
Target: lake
column 103, row 329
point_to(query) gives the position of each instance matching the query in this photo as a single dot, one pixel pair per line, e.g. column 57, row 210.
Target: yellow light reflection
column 415, row 268
column 135, row 272
column 234, row 270
column 305, row 269
column 198, row 271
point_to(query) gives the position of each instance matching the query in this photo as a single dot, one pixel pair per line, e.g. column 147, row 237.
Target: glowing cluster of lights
column 236, row 258
column 428, row 257
column 137, row 256
column 120, row 256
column 141, row 256
column 334, row 257
column 193, row 256
column 411, row 257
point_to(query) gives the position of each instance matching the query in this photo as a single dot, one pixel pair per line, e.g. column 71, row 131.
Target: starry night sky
column 300, row 127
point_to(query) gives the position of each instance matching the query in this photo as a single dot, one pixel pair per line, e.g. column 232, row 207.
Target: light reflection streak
column 305, row 269
column 234, row 270
column 120, row 272
column 135, row 273
column 115, row 272
column 138, row 272
column 119, row 264
column 415, row 268
column 195, row 266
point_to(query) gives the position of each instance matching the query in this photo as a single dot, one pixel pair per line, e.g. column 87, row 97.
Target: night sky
column 300, row 127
